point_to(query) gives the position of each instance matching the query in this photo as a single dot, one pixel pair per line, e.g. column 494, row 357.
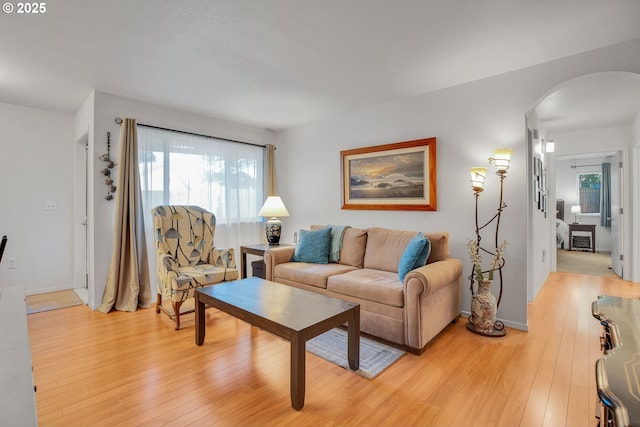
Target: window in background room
column 223, row 177
column 589, row 187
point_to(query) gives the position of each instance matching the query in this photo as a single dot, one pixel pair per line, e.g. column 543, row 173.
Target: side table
column 257, row 249
column 589, row 228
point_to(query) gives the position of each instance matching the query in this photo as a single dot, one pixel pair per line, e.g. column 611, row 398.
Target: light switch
column 50, row 206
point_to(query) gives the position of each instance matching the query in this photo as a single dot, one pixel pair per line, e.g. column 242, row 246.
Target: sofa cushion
column 439, row 246
column 313, row 246
column 308, row 273
column 385, row 248
column 410, row 255
column 354, row 243
column 373, row 285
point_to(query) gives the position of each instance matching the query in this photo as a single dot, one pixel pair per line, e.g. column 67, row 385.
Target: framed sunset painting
column 399, row 176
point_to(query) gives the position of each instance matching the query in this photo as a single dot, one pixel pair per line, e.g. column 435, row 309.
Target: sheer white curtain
column 223, row 177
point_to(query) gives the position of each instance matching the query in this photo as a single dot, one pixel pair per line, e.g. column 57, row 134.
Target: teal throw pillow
column 410, row 255
column 424, row 254
column 313, row 246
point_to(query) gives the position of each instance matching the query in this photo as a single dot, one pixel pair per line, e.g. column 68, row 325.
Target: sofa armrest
column 432, row 300
column 275, row 256
column 223, row 257
column 429, row 278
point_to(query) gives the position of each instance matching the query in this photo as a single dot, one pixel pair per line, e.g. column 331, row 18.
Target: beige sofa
column 408, row 313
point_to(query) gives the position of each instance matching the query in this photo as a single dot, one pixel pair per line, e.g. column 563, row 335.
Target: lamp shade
column 478, row 175
column 575, row 210
column 501, row 159
column 273, row 207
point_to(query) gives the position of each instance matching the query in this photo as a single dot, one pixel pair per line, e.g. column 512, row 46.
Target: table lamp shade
column 273, row 208
column 575, row 210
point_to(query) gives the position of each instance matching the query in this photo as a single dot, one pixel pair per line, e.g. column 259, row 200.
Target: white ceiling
column 282, row 63
column 591, row 101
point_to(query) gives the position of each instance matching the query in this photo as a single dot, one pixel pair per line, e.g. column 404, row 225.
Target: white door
column 616, row 214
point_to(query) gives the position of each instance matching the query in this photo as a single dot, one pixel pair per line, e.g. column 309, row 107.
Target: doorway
column 81, row 230
column 588, row 188
column 583, row 117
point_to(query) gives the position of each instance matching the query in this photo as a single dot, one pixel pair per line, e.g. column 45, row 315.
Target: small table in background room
column 257, row 249
column 589, row 228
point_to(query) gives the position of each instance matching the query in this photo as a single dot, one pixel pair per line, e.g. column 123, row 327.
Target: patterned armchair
column 186, row 258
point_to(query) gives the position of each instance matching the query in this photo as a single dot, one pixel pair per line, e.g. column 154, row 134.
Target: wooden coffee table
column 290, row 313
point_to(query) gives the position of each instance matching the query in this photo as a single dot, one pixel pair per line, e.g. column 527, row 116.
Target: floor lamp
column 483, row 305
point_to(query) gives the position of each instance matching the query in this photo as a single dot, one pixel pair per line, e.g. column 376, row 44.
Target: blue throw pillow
column 410, row 255
column 424, row 254
column 313, row 246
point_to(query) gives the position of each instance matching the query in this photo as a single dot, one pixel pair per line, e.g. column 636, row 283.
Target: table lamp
column 575, row 210
column 272, row 209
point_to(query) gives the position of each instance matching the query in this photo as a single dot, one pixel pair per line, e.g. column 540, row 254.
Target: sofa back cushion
column 385, row 247
column 354, row 243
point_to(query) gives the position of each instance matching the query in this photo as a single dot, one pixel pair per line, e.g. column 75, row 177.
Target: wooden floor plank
column 133, row 369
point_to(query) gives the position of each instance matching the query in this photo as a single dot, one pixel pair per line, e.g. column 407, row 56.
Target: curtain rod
column 118, row 120
column 585, row 166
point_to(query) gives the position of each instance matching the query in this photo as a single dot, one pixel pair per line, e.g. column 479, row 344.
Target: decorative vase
column 483, row 308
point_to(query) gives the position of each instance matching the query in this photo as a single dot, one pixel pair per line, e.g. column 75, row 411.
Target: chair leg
column 176, row 311
column 159, row 303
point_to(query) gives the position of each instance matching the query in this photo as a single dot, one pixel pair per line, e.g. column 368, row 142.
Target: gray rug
column 593, row 264
column 375, row 357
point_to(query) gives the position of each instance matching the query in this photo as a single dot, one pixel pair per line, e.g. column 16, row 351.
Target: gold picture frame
column 398, row 176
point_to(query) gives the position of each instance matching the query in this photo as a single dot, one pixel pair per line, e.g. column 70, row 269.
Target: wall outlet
column 11, row 262
column 50, row 206
column 544, row 255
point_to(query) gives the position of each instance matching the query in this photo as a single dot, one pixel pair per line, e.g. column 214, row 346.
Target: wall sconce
column 501, row 159
column 575, row 210
column 273, row 208
column 478, row 175
column 548, row 145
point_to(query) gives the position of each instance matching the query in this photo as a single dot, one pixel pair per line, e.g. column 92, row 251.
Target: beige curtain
column 271, row 170
column 128, row 285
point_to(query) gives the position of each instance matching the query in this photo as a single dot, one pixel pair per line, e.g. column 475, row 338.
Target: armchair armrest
column 223, row 257
column 275, row 256
column 167, row 271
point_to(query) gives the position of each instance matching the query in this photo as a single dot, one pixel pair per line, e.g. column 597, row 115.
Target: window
column 589, row 187
column 223, row 177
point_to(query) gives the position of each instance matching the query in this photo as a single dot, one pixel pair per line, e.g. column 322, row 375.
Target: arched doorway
column 586, row 115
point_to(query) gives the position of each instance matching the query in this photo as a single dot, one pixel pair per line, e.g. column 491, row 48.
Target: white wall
column 106, row 108
column 36, row 166
column 469, row 121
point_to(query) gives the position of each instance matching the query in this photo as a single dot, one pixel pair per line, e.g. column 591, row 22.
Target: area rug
column 51, row 301
column 375, row 357
column 593, row 264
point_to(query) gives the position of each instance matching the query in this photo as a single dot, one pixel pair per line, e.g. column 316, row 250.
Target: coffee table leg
column 353, row 340
column 297, row 372
column 199, row 308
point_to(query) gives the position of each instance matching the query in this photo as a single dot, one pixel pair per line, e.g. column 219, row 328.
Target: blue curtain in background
column 605, row 200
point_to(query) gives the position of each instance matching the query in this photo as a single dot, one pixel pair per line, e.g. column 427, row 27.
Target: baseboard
column 507, row 323
column 47, row 290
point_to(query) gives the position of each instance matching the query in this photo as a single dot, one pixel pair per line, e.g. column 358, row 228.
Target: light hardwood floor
column 133, row 369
